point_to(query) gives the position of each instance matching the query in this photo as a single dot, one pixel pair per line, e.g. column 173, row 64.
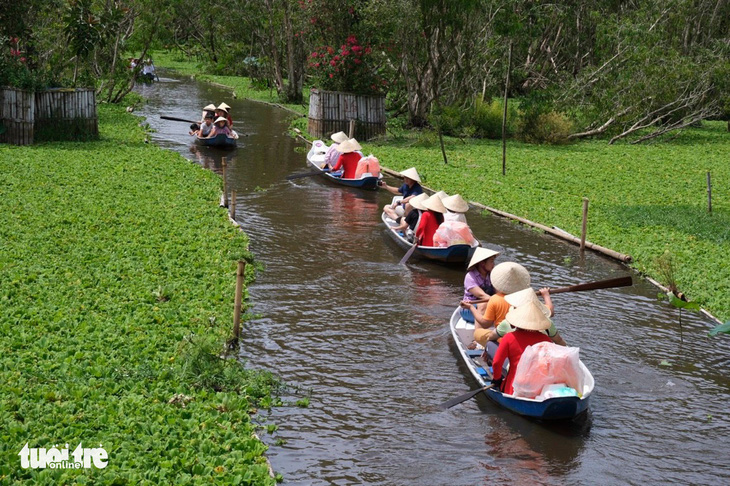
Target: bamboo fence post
column 352, row 128
column 239, row 299
column 232, row 212
column 225, row 185
column 585, row 225
column 709, row 193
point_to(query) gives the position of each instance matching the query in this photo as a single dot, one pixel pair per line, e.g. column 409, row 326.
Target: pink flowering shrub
column 351, row 68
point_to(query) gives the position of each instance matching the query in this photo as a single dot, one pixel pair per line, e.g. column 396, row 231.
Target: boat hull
column 451, row 254
column 559, row 408
column 219, row 141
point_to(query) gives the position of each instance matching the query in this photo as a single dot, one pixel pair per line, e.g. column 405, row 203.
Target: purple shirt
column 474, row 279
column 332, row 154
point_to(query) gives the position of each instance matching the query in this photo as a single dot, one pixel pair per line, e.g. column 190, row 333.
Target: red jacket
column 430, row 222
column 512, row 346
column 349, row 163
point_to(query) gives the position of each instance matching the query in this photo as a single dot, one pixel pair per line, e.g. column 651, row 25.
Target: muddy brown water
column 368, row 341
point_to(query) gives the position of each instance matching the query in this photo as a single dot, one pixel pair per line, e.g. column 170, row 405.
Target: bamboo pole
column 225, row 185
column 239, row 298
column 709, row 193
column 504, row 113
column 232, row 212
column 352, row 128
column 584, row 228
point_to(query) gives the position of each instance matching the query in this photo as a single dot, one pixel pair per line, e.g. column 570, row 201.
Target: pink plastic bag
column 453, row 233
column 368, row 164
column 547, row 364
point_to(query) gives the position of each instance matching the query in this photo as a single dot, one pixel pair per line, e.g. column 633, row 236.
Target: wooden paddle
column 408, row 253
column 306, row 174
column 601, row 284
column 178, row 119
column 462, row 398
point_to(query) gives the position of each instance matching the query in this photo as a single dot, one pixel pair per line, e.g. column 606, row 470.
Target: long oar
column 601, row 284
column 178, row 119
column 408, row 253
column 306, row 174
column 463, row 398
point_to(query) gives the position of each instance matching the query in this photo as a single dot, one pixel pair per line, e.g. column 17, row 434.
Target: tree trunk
column 294, row 88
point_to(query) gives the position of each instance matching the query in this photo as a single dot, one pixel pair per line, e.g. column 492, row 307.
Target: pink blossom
column 333, row 63
column 356, row 48
column 336, row 58
column 352, row 39
column 345, row 52
column 330, row 50
column 368, row 50
column 332, row 75
column 357, row 61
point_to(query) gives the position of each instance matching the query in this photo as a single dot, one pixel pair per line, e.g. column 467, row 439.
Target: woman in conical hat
column 348, row 159
column 528, row 320
column 333, row 153
column 414, row 209
column 430, row 220
column 477, row 285
column 411, row 187
column 457, row 208
column 220, row 127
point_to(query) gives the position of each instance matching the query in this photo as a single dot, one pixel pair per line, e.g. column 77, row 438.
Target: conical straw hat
column 528, row 316
column 349, row 146
column 210, row 107
column 509, row 277
column 220, row 118
column 224, row 106
column 434, row 204
column 522, row 297
column 411, row 173
column 442, row 195
column 339, row 137
column 456, row 204
column 481, row 254
column 417, row 201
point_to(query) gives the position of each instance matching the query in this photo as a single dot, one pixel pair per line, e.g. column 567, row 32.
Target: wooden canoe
column 219, row 141
column 559, row 408
column 315, row 158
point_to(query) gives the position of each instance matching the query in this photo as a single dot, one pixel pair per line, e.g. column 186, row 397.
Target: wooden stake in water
column 239, row 299
column 225, row 186
column 709, row 193
column 585, row 225
column 232, row 212
column 352, row 128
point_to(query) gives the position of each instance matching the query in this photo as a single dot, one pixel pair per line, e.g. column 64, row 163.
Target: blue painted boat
column 315, row 158
column 219, row 141
column 559, row 408
column 449, row 254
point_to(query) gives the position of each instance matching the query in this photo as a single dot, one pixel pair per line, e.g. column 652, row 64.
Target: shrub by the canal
column 117, row 277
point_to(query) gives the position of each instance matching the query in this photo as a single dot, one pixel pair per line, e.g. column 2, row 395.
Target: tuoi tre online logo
column 54, row 458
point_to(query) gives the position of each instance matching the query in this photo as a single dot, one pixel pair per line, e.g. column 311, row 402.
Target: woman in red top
column 348, row 159
column 430, row 220
column 529, row 320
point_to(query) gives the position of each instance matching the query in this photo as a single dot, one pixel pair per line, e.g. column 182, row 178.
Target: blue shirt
column 410, row 191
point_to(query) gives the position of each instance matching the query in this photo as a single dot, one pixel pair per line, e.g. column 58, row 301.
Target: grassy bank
column 649, row 201
column 117, row 277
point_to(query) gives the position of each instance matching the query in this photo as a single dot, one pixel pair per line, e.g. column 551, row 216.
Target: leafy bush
column 481, row 120
column 548, row 127
column 349, row 68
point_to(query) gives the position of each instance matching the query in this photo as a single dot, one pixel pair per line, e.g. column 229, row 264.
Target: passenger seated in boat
column 528, row 320
column 507, row 278
column 348, row 159
column 148, row 70
column 411, row 187
column 332, row 154
column 407, row 225
column 204, row 130
column 225, row 111
column 457, row 207
column 477, row 284
column 208, row 110
column 220, row 128
column 518, row 299
column 430, row 220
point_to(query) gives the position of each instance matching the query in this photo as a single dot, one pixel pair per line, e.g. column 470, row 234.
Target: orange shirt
column 497, row 309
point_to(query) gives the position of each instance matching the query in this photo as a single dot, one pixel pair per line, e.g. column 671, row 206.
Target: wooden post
column 585, row 225
column 232, row 212
column 225, row 185
column 239, row 299
column 504, row 113
column 352, row 128
column 709, row 193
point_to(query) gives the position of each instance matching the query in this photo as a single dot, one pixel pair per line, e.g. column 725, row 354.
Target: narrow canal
column 368, row 339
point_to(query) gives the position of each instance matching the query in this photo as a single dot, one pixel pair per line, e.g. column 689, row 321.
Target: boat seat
column 474, row 353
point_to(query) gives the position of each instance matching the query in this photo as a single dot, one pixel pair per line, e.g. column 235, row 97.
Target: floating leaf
column 722, row 328
column 664, row 362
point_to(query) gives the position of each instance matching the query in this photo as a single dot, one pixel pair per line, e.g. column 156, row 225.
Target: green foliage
column 722, row 328
column 103, row 274
column 348, row 68
column 482, row 119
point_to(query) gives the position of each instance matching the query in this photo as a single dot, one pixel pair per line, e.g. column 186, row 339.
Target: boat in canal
column 557, row 408
column 219, row 141
column 459, row 253
column 315, row 158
